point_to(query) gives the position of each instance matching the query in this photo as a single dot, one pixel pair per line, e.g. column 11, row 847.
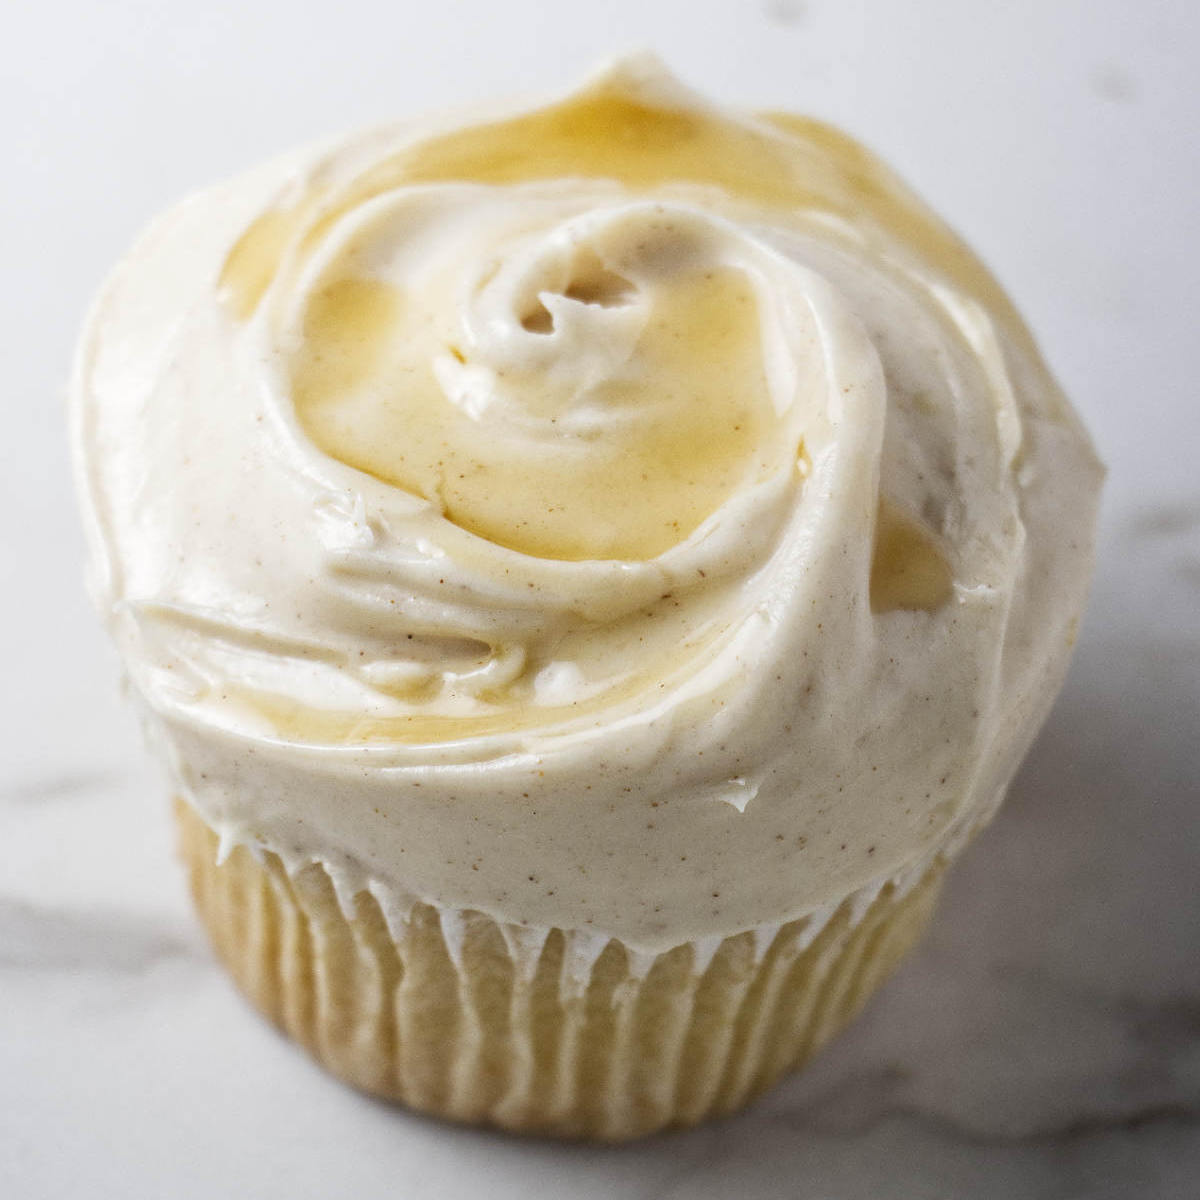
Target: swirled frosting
column 620, row 514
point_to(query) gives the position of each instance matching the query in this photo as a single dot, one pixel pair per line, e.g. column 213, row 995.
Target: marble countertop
column 1045, row 1039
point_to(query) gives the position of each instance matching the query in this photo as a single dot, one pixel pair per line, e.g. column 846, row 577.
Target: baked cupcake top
column 619, row 514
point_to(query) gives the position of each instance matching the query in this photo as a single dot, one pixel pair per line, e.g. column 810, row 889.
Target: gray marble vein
column 36, row 937
column 53, row 789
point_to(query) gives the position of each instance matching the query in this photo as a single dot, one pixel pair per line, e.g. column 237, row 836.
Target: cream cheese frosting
column 618, row 514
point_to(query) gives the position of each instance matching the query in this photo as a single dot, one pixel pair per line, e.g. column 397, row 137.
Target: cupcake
column 587, row 568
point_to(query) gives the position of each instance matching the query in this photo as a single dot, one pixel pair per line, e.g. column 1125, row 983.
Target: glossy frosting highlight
column 621, row 515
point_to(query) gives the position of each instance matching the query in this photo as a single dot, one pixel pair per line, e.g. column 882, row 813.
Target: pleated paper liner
column 560, row 1033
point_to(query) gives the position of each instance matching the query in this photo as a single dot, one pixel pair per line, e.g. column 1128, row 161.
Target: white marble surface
column 1045, row 1041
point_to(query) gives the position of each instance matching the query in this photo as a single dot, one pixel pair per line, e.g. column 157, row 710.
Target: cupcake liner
column 552, row 1032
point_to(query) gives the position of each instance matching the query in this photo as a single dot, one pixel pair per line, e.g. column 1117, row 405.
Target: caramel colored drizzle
column 254, row 260
column 788, row 162
column 908, row 570
column 693, row 409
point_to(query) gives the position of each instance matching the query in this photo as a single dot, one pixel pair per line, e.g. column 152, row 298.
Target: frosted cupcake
column 588, row 568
